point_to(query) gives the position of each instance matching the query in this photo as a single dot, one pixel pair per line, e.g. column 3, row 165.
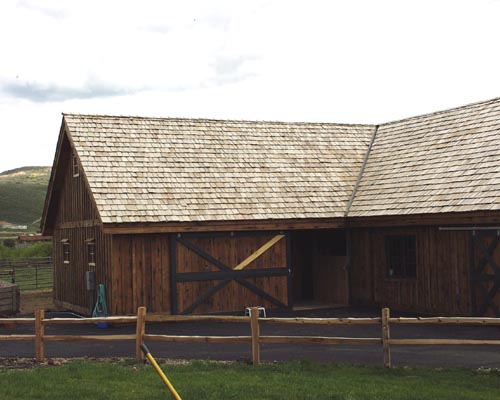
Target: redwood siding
column 442, row 283
column 77, row 221
column 70, row 286
column 141, row 273
column 75, row 201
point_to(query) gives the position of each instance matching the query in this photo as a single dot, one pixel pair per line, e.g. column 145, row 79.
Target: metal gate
column 485, row 272
column 224, row 272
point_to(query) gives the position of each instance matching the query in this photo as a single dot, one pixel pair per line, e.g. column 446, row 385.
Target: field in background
column 204, row 380
column 22, row 195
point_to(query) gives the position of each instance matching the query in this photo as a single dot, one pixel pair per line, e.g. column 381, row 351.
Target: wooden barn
column 204, row 216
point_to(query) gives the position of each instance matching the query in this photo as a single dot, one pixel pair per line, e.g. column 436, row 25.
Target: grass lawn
column 204, row 380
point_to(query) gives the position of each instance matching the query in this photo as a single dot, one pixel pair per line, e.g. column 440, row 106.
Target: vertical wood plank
column 386, row 335
column 173, row 275
column 139, row 332
column 39, row 332
column 255, row 329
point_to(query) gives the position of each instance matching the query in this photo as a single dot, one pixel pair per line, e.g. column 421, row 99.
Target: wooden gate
column 226, row 272
column 485, row 272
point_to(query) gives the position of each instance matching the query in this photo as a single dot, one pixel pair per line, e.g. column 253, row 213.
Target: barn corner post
column 255, row 329
column 140, row 331
column 386, row 335
column 39, row 333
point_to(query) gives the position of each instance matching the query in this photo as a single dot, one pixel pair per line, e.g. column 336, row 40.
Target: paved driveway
column 432, row 356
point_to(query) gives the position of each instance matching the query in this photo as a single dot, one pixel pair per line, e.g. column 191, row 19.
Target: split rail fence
column 255, row 339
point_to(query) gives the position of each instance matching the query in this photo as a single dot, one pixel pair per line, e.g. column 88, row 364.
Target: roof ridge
column 200, row 119
column 444, row 111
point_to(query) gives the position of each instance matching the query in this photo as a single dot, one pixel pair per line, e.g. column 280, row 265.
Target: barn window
column 65, row 251
column 91, row 252
column 401, row 256
column 76, row 168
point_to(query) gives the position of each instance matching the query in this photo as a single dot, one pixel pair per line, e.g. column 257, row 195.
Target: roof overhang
column 220, row 226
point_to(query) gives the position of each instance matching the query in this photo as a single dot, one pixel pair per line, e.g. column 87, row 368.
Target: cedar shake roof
column 443, row 162
column 195, row 170
column 164, row 170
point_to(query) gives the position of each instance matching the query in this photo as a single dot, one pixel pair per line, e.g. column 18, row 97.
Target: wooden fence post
column 139, row 332
column 254, row 326
column 39, row 332
column 386, row 335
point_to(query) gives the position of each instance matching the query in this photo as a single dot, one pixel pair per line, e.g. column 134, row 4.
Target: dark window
column 65, row 251
column 76, row 168
column 401, row 254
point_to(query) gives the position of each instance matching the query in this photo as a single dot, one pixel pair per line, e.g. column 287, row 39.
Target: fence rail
column 28, row 273
column 255, row 339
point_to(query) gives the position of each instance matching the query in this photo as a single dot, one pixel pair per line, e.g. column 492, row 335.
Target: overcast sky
column 328, row 61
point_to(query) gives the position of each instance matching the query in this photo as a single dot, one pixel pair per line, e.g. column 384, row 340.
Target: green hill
column 22, row 195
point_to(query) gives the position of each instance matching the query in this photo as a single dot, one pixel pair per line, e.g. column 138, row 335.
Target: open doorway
column 319, row 273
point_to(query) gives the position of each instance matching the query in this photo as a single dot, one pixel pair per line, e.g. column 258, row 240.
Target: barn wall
column 441, row 286
column 77, row 222
column 70, row 288
column 140, row 273
column 75, row 203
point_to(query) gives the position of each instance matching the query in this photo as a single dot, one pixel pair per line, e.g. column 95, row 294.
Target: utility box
column 90, row 275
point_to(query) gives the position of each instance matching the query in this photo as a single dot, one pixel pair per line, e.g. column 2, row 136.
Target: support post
column 39, row 332
column 139, row 333
column 386, row 335
column 255, row 328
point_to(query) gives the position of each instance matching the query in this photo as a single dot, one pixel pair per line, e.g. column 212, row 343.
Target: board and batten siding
column 76, row 223
column 441, row 285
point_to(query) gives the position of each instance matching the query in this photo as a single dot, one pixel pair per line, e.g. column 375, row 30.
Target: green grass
column 37, row 249
column 202, row 380
column 22, row 195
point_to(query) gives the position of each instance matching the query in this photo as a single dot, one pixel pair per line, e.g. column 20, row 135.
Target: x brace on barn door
column 481, row 280
column 225, row 273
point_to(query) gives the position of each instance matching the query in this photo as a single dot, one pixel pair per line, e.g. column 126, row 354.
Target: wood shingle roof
column 151, row 170
column 443, row 162
column 164, row 170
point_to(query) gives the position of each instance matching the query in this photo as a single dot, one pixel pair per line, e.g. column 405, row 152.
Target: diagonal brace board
column 229, row 271
column 258, row 252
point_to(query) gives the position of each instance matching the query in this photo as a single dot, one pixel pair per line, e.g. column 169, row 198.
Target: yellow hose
column 164, row 378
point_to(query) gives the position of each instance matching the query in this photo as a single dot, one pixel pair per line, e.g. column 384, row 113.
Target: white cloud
column 356, row 61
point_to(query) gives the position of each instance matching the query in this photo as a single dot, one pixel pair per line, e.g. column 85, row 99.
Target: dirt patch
column 37, row 300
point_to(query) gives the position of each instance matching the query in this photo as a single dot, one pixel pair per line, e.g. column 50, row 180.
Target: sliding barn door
column 485, row 273
column 219, row 273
